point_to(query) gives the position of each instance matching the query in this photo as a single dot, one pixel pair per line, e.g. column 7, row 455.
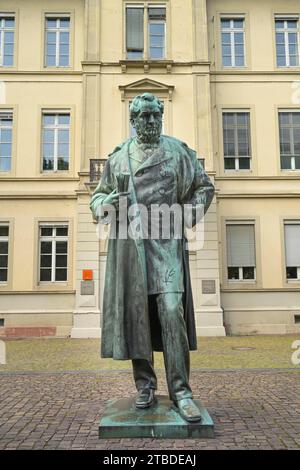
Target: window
column 287, row 42
column 292, row 250
column 7, row 25
column 240, row 252
column 157, row 33
column 233, row 42
column 56, row 141
column 135, row 32
column 6, row 122
column 53, row 253
column 289, row 134
column 152, row 19
column 57, row 42
column 236, row 140
column 4, row 233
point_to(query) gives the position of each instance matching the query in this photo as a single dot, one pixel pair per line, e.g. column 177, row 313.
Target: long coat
column 130, row 326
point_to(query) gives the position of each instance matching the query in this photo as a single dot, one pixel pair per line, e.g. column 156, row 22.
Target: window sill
column 230, row 68
column 54, row 173
column 236, row 286
column 57, row 67
column 237, row 172
column 8, row 67
column 5, row 288
column 10, row 291
column 57, row 286
column 288, row 67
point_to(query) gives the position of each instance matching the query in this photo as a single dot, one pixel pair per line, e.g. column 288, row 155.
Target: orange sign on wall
column 87, row 274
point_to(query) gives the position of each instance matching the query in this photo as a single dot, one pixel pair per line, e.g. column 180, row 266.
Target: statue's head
column 146, row 112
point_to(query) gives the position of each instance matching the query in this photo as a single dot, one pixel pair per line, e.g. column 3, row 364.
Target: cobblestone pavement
column 258, row 409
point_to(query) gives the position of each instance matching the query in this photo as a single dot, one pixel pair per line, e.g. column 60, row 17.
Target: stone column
column 200, row 31
column 86, row 322
column 205, row 262
column 206, row 276
column 86, row 316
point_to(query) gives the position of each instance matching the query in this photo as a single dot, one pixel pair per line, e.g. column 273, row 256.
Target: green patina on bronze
column 121, row 419
column 148, row 304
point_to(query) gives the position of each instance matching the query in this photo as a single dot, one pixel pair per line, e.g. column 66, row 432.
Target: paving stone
column 251, row 410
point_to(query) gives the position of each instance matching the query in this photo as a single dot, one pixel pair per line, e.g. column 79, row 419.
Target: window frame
column 5, row 239
column 237, row 158
column 240, row 268
column 8, row 221
column 58, row 29
column 241, row 278
column 239, row 285
column 2, row 31
column 140, row 7
column 145, row 5
column 285, row 18
column 9, row 111
column 70, row 13
column 292, row 156
column 53, row 239
column 287, row 281
column 232, row 32
column 149, row 21
column 60, row 286
column 56, row 112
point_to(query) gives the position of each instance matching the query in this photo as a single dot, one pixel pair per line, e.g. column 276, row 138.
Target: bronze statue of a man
column 148, row 303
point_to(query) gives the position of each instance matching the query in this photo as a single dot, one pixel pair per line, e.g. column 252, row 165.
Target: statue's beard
column 148, row 134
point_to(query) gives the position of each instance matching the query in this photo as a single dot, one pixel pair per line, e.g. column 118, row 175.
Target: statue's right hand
column 112, row 199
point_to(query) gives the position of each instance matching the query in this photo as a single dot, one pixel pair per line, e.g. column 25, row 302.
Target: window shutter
column 240, row 245
column 292, row 244
column 135, row 29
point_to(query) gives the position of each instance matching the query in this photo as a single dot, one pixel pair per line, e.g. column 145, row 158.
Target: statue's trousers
column 175, row 347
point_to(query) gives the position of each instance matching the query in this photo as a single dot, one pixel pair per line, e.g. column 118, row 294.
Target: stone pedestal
column 121, row 419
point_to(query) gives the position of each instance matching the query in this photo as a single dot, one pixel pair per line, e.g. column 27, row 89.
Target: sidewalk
column 253, row 409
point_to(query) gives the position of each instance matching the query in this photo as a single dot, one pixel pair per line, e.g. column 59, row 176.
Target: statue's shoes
column 188, row 410
column 145, row 398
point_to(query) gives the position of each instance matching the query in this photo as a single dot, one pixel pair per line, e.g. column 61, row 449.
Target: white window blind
column 240, row 245
column 292, row 244
column 135, row 32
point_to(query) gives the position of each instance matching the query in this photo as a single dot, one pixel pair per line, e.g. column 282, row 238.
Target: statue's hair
column 139, row 100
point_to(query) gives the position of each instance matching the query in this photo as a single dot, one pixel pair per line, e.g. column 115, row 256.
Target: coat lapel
column 156, row 158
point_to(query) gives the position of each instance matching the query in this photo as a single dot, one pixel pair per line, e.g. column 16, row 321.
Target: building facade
column 228, row 73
